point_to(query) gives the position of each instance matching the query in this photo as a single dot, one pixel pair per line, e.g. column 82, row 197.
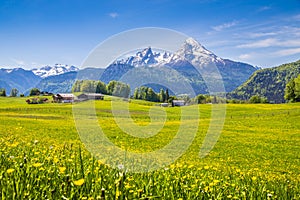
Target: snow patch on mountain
column 146, row 57
column 57, row 69
column 195, row 53
column 191, row 51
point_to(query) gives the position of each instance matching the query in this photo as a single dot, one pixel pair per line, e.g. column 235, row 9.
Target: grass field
column 256, row 157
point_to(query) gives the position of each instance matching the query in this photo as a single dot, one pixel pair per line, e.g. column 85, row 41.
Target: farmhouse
column 89, row 96
column 63, row 98
column 178, row 103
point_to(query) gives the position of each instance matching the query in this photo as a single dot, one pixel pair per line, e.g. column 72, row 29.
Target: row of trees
column 13, row 93
column 148, row 94
column 114, row 88
column 292, row 90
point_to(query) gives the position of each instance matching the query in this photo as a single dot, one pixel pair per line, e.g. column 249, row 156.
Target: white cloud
column 113, row 15
column 263, row 8
column 18, row 62
column 224, row 26
column 271, row 42
column 297, row 17
column 263, row 34
column 245, row 56
column 259, row 44
column 287, row 52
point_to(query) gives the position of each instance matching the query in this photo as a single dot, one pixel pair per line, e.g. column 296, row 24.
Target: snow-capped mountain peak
column 146, row 57
column 54, row 70
column 191, row 51
column 194, row 52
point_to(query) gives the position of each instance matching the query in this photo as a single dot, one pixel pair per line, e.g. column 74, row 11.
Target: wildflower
column 79, row 182
column 120, row 167
column 190, row 166
column 14, row 144
column 229, row 196
column 269, row 195
column 37, row 164
column 62, row 170
column 254, row 178
column 10, row 170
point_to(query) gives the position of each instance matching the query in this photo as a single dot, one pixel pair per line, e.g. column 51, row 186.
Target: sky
column 35, row 33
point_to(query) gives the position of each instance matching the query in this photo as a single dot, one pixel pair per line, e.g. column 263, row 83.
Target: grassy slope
column 266, row 134
column 265, row 138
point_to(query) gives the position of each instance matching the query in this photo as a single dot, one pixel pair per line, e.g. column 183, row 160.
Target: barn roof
column 65, row 95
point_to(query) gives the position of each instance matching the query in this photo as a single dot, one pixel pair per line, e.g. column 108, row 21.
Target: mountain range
column 59, row 78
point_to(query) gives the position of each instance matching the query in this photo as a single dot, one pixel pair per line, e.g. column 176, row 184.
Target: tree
column 258, row 99
column 110, row 87
column 162, row 95
column 292, row 90
column 34, row 92
column 167, row 95
column 200, row 99
column 101, row 87
column 151, row 95
column 14, row 92
column 2, row 92
column 136, row 94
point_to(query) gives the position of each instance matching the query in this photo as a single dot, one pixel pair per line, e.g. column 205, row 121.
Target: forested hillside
column 269, row 83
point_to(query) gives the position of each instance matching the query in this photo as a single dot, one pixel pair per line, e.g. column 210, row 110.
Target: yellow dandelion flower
column 62, row 170
column 229, row 196
column 254, row 178
column 55, row 160
column 190, row 166
column 79, row 182
column 10, row 171
column 206, row 167
column 15, row 144
column 37, row 164
column 127, row 186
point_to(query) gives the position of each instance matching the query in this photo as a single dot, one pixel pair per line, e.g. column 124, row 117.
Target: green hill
column 269, row 83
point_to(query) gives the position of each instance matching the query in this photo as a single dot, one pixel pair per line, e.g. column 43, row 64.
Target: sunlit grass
column 256, row 156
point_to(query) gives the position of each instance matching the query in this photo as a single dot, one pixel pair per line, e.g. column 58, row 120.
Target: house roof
column 65, row 95
column 93, row 94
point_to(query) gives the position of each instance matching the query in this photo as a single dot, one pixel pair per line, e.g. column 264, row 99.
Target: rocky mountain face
column 186, row 60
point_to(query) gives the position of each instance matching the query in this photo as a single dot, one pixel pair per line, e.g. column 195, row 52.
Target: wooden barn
column 90, row 96
column 63, row 98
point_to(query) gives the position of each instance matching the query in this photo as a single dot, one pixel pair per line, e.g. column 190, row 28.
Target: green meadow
column 256, row 156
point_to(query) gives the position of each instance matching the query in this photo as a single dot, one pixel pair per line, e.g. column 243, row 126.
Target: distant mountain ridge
column 59, row 78
column 57, row 69
column 269, row 83
column 18, row 78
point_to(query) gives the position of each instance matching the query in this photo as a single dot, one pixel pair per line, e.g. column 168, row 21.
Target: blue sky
column 34, row 33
